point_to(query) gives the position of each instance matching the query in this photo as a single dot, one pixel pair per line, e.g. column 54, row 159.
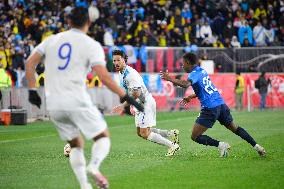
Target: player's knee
column 232, row 127
column 77, row 143
column 105, row 133
column 144, row 134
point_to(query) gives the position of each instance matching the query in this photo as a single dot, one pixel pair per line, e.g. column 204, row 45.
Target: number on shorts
column 64, row 53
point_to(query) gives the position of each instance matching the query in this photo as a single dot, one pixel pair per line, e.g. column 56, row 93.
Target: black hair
column 263, row 73
column 120, row 53
column 79, row 16
column 191, row 58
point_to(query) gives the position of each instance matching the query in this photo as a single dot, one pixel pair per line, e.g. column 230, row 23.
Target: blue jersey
column 204, row 89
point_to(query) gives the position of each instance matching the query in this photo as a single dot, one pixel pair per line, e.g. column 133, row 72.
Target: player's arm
column 33, row 60
column 187, row 99
column 179, row 82
column 136, row 92
column 120, row 109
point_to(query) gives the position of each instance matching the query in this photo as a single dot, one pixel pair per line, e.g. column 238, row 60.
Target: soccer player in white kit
column 68, row 57
column 144, row 120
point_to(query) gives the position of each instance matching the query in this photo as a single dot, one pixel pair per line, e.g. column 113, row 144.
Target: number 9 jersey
column 204, row 89
column 68, row 57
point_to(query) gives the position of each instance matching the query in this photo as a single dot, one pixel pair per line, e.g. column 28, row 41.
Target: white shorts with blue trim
column 148, row 117
column 69, row 124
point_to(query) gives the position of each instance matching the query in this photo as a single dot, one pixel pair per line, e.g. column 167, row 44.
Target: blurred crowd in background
column 205, row 23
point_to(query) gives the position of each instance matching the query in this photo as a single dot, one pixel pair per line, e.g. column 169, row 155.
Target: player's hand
column 165, row 75
column 34, row 98
column 133, row 102
column 132, row 110
column 118, row 109
column 185, row 100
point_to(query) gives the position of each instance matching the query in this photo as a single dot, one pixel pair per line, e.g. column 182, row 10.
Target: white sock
column 78, row 164
column 157, row 138
column 100, row 150
column 163, row 133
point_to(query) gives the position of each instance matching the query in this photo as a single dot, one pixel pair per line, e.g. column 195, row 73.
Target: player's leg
column 147, row 134
column 78, row 162
column 197, row 136
column 100, row 150
column 68, row 131
column 92, row 124
column 173, row 134
column 226, row 119
column 206, row 120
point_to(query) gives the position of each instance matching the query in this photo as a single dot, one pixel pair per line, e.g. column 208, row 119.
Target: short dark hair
column 191, row 58
column 79, row 16
column 120, row 53
column 263, row 73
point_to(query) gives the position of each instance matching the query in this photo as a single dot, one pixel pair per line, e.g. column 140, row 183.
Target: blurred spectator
column 21, row 74
column 218, row 24
column 244, row 32
column 239, row 90
column 162, row 40
column 218, row 44
column 260, row 12
column 5, row 81
column 263, row 88
column 246, row 43
column 108, row 39
column 259, row 34
column 205, row 31
column 235, row 43
column 227, row 43
column 228, row 31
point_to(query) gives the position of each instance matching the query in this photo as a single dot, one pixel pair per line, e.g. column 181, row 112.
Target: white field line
column 120, row 126
column 21, row 139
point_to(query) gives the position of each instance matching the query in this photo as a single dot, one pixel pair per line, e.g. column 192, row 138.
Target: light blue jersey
column 204, row 89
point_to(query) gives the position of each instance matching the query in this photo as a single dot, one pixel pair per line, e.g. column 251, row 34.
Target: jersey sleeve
column 97, row 54
column 193, row 77
column 41, row 48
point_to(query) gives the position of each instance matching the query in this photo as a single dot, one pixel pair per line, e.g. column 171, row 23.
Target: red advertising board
column 225, row 83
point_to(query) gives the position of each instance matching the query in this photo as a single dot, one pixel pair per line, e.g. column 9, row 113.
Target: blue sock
column 206, row 140
column 244, row 135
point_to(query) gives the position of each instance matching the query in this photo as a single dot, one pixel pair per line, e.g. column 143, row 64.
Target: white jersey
column 69, row 56
column 130, row 80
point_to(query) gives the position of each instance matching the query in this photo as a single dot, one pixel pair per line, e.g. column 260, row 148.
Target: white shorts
column 148, row 117
column 90, row 122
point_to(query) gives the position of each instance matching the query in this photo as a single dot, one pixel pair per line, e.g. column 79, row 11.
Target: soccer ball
column 67, row 150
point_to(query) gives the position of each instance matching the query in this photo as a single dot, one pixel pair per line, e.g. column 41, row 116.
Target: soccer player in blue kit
column 213, row 106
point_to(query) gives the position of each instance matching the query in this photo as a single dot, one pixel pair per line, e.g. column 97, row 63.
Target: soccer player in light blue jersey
column 213, row 106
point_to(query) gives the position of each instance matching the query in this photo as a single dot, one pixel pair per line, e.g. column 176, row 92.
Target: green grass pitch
column 31, row 157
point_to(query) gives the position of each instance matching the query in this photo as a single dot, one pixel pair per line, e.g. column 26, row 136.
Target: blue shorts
column 208, row 116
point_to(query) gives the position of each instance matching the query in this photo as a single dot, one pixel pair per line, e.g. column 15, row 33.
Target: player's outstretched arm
column 105, row 77
column 179, row 82
column 187, row 99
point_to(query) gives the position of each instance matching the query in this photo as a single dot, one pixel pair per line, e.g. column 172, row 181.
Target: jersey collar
column 195, row 68
column 124, row 70
column 76, row 30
